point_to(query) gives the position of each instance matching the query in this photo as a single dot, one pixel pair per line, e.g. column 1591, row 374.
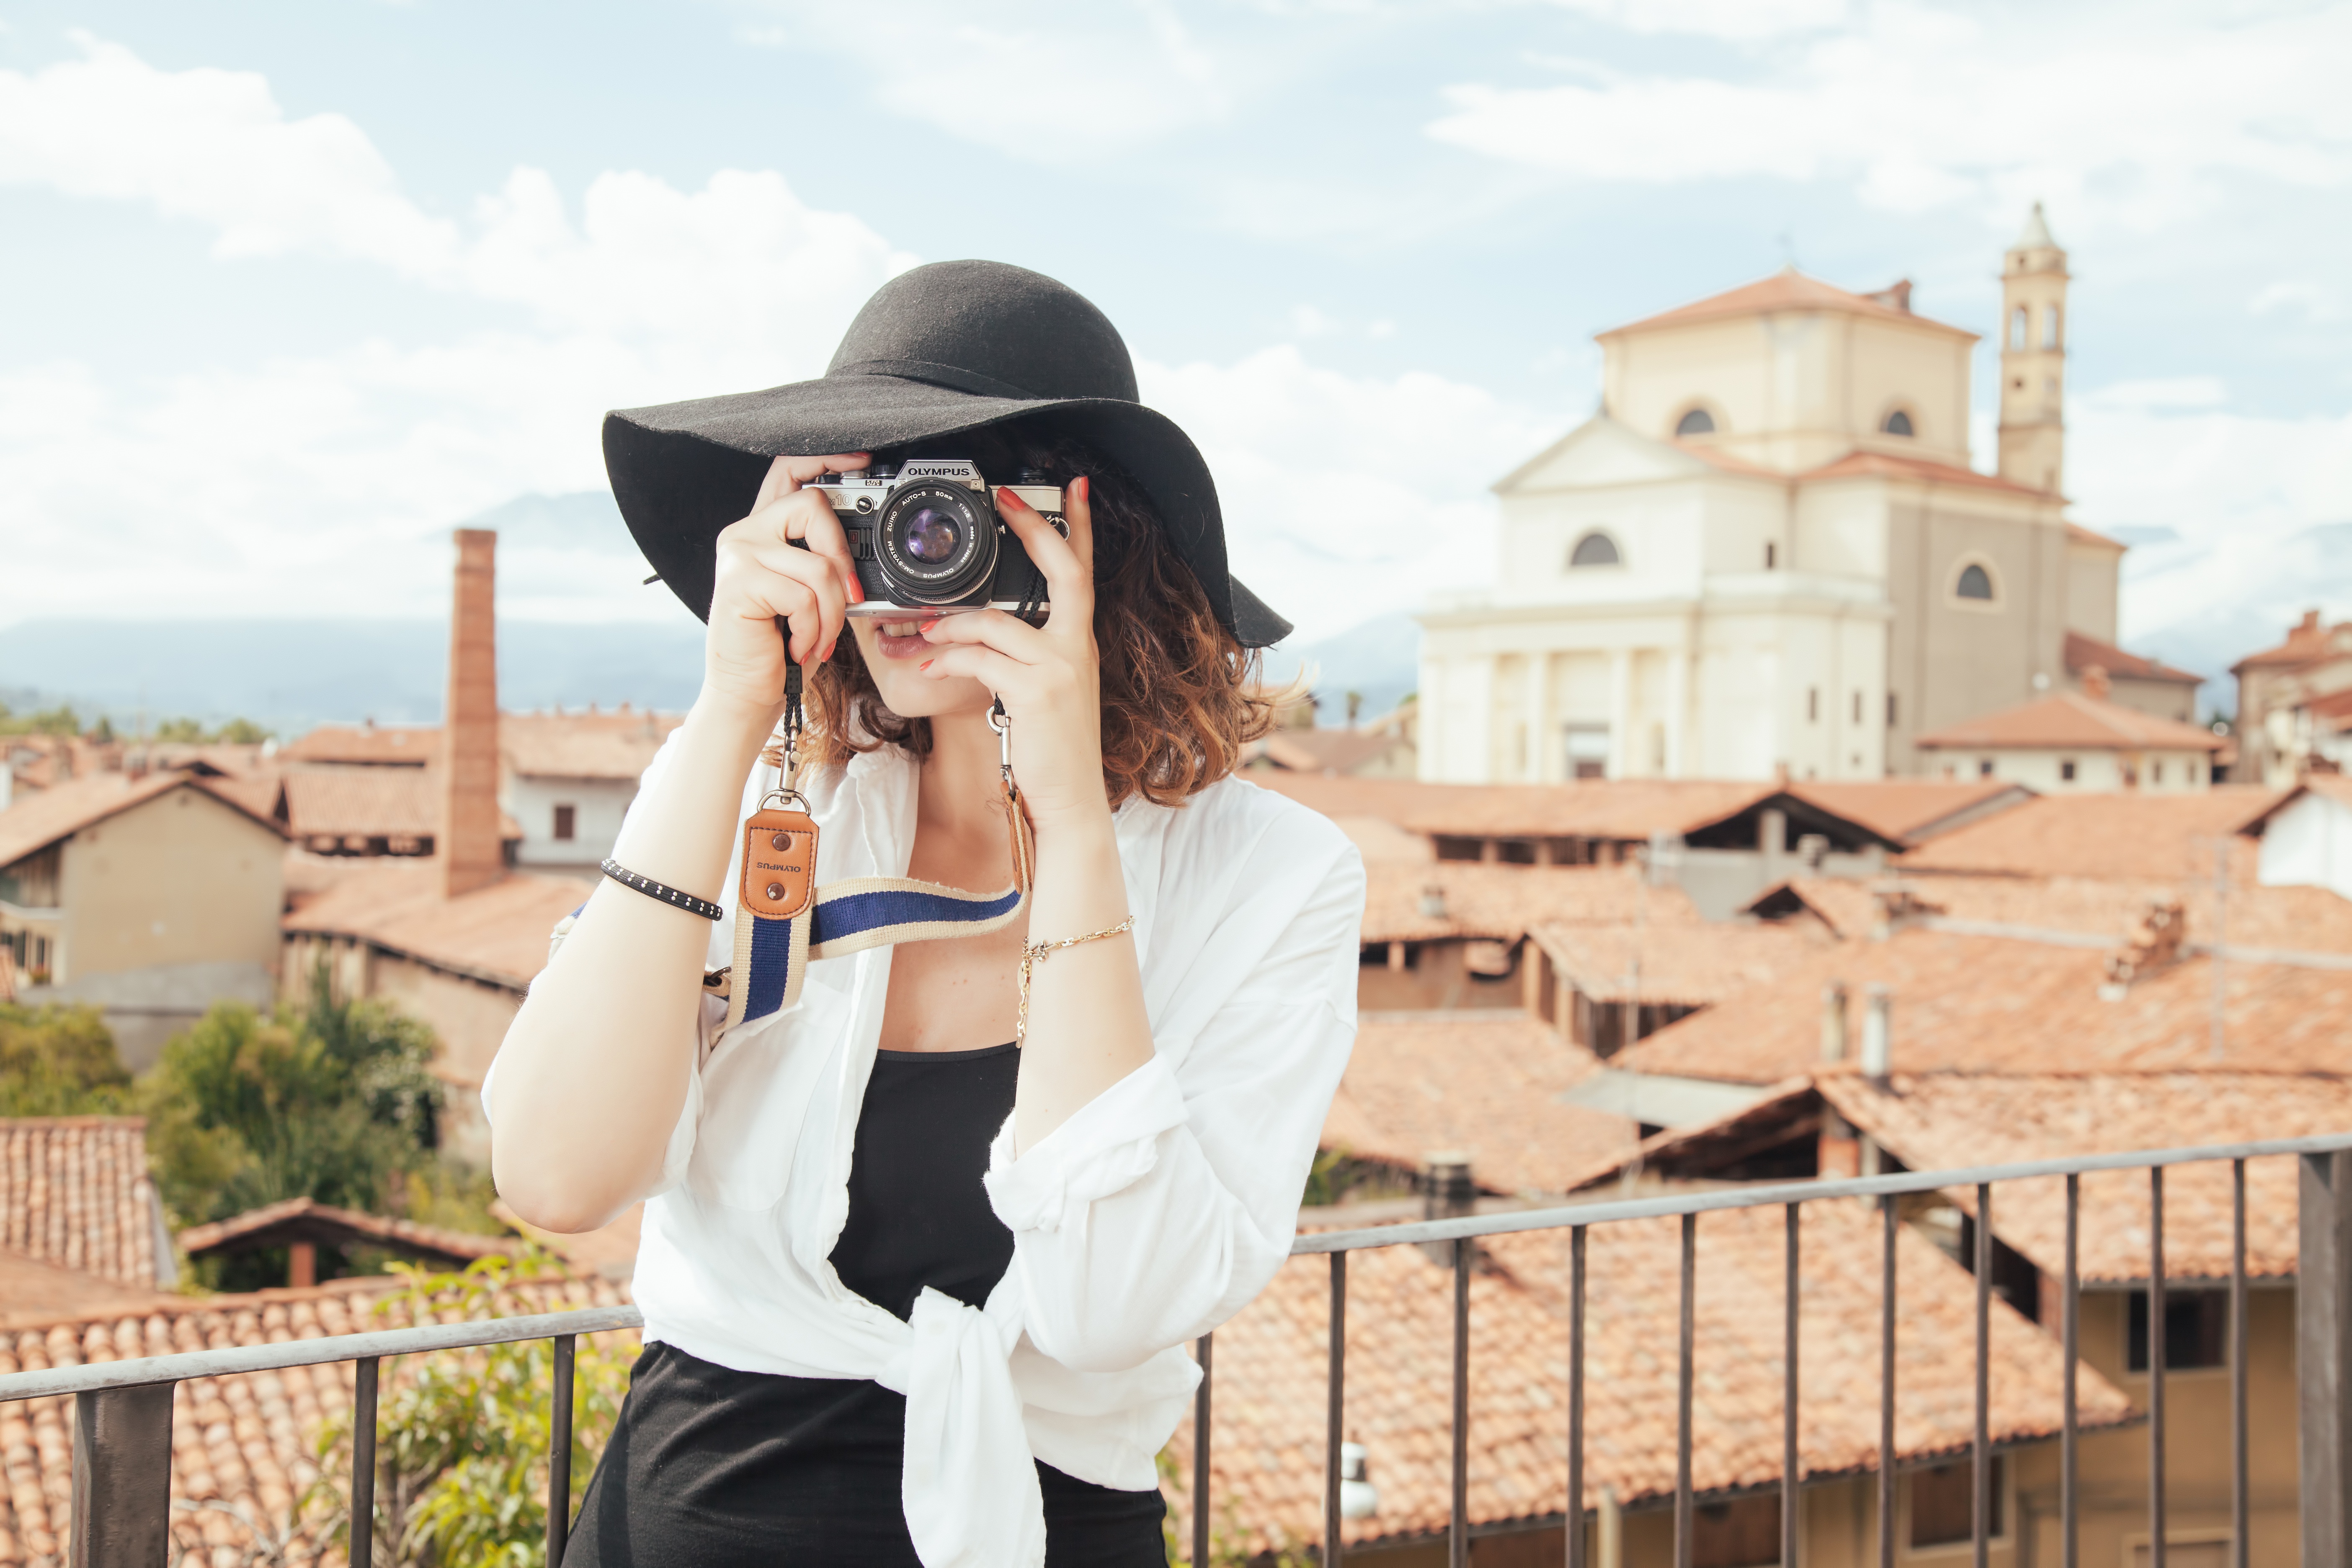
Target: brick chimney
column 467, row 845
column 2096, row 684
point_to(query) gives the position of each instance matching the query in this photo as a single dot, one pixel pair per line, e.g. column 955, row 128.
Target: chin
column 904, row 690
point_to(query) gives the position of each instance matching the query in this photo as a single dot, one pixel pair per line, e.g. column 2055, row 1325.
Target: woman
column 913, row 1291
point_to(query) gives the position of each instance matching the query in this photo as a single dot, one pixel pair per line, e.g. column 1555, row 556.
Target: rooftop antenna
column 1788, row 244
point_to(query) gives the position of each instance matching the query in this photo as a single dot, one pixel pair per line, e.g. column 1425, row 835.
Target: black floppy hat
column 942, row 349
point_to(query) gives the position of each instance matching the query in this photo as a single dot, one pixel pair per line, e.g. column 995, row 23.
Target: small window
column 1898, row 423
column 1984, row 767
column 2066, row 769
column 1694, row 422
column 1812, row 704
column 1742, row 1533
column 2196, row 1331
column 1857, row 707
column 2017, row 328
column 1944, row 1503
column 2050, row 326
column 1890, row 711
column 1974, row 582
column 2155, row 772
column 567, row 823
column 1772, row 556
column 1594, row 550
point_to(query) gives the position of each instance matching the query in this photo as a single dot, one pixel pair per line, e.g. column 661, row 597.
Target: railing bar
column 2238, row 1431
column 362, row 1547
column 1457, row 1526
column 2156, row 1542
column 2070, row 1336
column 1980, row 1445
column 1686, row 1333
column 1205, row 1349
column 1337, row 1401
column 1575, row 1511
column 1788, row 1289
column 559, row 1451
column 236, row 1359
column 1763, row 1193
column 1890, row 1222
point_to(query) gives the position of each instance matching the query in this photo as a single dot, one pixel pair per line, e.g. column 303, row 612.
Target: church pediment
column 1600, row 451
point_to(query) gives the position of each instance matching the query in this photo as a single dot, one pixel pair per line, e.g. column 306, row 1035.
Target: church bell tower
column 2033, row 358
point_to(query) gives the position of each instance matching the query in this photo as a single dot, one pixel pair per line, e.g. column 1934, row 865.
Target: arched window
column 1594, row 550
column 1697, row 422
column 2017, row 328
column 2050, row 326
column 1975, row 582
column 1898, row 423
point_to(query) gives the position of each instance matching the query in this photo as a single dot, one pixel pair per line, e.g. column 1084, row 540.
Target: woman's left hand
column 1048, row 676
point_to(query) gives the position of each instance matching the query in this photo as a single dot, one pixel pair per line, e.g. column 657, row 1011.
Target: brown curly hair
column 1179, row 694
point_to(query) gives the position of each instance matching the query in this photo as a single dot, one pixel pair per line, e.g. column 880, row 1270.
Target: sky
column 294, row 288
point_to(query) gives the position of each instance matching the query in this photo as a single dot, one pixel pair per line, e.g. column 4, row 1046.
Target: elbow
column 551, row 1200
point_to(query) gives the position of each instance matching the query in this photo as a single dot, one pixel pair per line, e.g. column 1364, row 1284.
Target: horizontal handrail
column 1761, row 1194
column 91, row 1378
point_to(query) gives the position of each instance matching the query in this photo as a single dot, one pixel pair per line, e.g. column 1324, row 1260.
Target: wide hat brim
column 683, row 471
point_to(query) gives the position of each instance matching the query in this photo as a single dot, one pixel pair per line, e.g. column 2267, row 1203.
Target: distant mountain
column 1379, row 661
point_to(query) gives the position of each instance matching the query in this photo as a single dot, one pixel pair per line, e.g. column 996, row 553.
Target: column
column 1677, row 708
column 1543, row 739
column 1621, row 713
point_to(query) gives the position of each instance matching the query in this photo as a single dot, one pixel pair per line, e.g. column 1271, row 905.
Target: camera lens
column 931, row 536
column 938, row 543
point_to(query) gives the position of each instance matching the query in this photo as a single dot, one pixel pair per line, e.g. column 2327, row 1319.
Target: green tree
column 57, row 721
column 461, row 1458
column 178, row 730
column 58, row 1060
column 330, row 1100
column 242, row 733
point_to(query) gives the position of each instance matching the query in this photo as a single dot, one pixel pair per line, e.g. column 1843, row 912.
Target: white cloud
column 1713, row 18
column 2316, row 303
column 2135, row 115
column 2161, row 392
column 1346, row 497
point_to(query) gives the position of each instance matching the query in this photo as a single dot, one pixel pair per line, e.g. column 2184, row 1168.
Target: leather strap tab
column 779, row 863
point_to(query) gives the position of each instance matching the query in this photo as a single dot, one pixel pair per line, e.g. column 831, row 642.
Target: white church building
column 1769, row 551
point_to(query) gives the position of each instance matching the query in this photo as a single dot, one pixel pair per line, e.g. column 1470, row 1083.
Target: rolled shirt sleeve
column 1164, row 1204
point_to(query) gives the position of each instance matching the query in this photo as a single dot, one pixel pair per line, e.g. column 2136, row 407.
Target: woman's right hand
column 763, row 574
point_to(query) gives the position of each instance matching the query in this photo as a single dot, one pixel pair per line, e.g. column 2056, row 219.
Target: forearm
column 1087, row 1027
column 593, row 1072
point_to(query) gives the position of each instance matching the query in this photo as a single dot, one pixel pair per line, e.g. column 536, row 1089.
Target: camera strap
column 784, row 921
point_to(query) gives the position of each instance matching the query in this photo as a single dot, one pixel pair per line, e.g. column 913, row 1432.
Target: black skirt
column 712, row 1468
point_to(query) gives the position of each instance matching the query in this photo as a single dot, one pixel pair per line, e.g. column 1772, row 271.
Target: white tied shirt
column 1152, row 1216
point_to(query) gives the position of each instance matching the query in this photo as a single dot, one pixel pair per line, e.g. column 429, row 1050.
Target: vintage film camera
column 926, row 538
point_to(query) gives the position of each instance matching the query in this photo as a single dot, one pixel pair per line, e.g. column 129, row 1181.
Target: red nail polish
column 1080, row 487
column 1004, row 497
column 925, row 665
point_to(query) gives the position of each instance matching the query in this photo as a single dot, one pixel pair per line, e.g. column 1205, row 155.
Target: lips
column 901, row 639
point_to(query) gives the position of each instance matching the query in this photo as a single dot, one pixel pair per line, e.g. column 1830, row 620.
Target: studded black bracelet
column 662, row 890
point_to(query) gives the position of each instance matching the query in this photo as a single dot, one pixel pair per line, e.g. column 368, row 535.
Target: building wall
column 2175, row 699
column 2169, row 772
column 1952, row 659
column 2092, row 588
column 2308, row 843
column 180, row 880
column 1435, row 976
column 597, row 805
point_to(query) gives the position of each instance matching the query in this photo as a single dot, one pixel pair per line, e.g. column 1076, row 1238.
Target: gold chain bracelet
column 1036, row 952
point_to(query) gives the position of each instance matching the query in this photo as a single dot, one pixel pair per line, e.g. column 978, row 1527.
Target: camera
column 925, row 536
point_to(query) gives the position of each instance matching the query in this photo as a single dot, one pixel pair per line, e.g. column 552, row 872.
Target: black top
column 918, row 1213
column 712, row 1468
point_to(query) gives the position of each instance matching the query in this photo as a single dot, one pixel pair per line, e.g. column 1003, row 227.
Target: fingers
column 1069, row 576
column 1006, row 676
column 774, row 579
column 1008, row 635
column 786, row 475
column 806, row 515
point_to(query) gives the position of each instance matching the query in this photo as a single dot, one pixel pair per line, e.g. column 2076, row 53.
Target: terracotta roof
column 2071, row 720
column 74, row 1192
column 1716, row 457
column 618, row 745
column 32, row 1291
column 410, row 745
column 1788, row 289
column 1478, row 900
column 261, row 794
column 1845, row 906
column 1945, row 1120
column 1267, row 1444
column 402, row 802
column 1377, row 840
column 249, row 1441
column 2081, row 535
column 1882, row 465
column 1320, row 751
column 2312, row 919
column 1628, row 810
column 2083, row 652
column 306, row 1219
column 1691, row 965
column 2310, row 641
column 64, row 809
column 1992, row 1004
column 1909, row 810
column 2135, row 833
column 497, row 934
column 1484, row 1082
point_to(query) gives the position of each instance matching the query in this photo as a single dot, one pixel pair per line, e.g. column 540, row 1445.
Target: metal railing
column 122, row 1414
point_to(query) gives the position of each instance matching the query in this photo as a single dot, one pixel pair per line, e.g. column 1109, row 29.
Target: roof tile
column 75, row 1192
column 2072, row 720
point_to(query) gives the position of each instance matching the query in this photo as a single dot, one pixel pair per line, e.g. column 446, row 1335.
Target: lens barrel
column 937, row 542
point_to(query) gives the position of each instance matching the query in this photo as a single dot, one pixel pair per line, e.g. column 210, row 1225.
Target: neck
column 962, row 791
